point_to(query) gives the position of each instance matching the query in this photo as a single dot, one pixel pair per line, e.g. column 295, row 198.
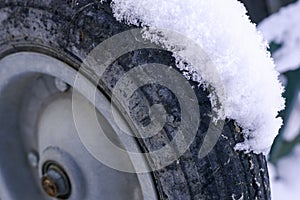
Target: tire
column 69, row 31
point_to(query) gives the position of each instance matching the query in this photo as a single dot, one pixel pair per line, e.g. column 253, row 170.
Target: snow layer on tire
column 253, row 94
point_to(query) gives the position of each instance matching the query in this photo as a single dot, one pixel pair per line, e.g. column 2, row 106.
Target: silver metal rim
column 38, row 131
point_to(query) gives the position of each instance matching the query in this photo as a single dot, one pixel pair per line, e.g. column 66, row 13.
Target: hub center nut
column 55, row 182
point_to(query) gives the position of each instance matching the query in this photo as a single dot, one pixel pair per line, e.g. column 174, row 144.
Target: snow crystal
column 252, row 92
column 284, row 28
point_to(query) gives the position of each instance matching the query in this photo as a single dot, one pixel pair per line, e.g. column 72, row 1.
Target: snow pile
column 284, row 28
column 252, row 92
column 285, row 177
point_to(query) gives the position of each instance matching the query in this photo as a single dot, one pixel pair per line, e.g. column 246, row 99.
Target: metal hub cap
column 38, row 130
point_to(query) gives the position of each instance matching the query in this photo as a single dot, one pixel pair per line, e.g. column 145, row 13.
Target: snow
column 285, row 177
column 244, row 79
column 284, row 28
column 292, row 129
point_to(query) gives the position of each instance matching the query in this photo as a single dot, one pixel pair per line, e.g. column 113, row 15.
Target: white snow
column 284, row 28
column 285, row 178
column 252, row 92
column 292, row 128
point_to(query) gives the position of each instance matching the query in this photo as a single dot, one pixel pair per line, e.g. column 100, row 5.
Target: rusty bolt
column 55, row 182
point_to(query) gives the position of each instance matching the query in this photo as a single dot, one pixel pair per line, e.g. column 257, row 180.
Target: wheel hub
column 37, row 125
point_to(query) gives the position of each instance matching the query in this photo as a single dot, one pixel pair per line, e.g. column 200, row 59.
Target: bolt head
column 55, row 182
column 49, row 186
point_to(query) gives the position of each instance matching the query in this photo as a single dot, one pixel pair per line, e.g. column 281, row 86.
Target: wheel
column 51, row 147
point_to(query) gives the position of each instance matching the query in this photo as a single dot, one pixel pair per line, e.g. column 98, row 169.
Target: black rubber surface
column 69, row 30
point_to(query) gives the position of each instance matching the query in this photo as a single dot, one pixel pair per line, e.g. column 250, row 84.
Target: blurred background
column 279, row 23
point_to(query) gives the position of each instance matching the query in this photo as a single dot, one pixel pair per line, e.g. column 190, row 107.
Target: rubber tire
column 69, row 31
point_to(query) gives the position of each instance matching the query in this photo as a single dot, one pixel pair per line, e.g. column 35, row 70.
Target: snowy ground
column 285, row 179
column 284, row 28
